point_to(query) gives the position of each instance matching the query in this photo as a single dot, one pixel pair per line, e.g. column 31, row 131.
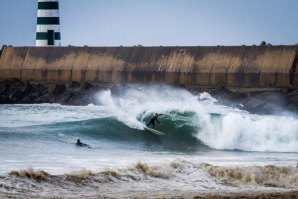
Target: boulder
column 59, row 89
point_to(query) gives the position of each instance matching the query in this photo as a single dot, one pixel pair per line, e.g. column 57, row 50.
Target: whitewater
column 204, row 142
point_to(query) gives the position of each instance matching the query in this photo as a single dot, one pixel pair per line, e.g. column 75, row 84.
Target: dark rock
column 222, row 90
column 292, row 100
column 260, row 102
column 292, row 97
column 46, row 98
column 74, row 84
column 42, row 89
column 14, row 82
column 86, row 86
column 3, row 99
column 3, row 87
column 228, row 97
column 59, row 89
column 32, row 96
column 10, row 91
column 74, row 87
column 16, row 96
column 65, row 98
column 28, row 88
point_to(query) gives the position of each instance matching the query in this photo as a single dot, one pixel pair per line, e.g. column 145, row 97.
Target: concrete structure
column 48, row 23
column 234, row 67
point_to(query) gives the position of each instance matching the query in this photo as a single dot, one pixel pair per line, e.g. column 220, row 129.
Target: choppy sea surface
column 206, row 146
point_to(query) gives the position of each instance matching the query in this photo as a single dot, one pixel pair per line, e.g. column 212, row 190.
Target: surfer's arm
column 157, row 121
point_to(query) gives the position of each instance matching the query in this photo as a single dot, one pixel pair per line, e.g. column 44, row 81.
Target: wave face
column 191, row 122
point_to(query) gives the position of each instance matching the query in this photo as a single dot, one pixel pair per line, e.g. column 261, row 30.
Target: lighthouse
column 48, row 23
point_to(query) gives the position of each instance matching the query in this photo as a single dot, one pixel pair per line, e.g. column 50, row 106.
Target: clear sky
column 157, row 22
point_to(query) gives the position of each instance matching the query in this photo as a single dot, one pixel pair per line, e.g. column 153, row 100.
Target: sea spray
column 252, row 133
column 232, row 129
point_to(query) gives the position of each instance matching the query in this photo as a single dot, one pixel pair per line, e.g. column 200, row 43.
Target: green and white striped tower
column 48, row 23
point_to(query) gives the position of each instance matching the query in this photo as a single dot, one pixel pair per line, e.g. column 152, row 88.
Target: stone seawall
column 233, row 67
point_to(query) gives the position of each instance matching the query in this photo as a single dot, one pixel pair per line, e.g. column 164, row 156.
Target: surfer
column 152, row 121
column 79, row 143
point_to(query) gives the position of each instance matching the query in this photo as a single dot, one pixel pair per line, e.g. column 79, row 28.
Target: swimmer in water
column 79, row 143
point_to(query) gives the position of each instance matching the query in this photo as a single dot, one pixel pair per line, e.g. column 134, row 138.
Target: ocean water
column 206, row 146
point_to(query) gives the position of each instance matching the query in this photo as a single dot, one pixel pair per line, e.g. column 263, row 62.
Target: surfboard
column 154, row 131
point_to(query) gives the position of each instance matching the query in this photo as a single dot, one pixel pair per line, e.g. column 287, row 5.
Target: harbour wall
column 234, row 66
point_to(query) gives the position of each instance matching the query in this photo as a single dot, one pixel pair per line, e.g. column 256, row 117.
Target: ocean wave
column 144, row 178
column 214, row 125
column 191, row 121
column 269, row 175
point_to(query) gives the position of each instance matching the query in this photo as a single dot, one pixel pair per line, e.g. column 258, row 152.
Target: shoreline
column 136, row 182
column 214, row 195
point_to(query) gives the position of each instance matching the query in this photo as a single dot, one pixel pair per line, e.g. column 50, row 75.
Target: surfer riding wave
column 152, row 121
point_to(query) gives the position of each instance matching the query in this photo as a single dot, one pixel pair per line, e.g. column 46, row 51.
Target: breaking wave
column 180, row 174
column 190, row 121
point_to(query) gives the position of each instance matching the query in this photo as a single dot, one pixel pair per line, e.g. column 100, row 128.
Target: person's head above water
column 78, row 141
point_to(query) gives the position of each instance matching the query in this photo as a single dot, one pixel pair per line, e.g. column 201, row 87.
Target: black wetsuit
column 79, row 143
column 152, row 121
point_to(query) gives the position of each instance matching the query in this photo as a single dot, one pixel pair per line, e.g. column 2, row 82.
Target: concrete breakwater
column 233, row 67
